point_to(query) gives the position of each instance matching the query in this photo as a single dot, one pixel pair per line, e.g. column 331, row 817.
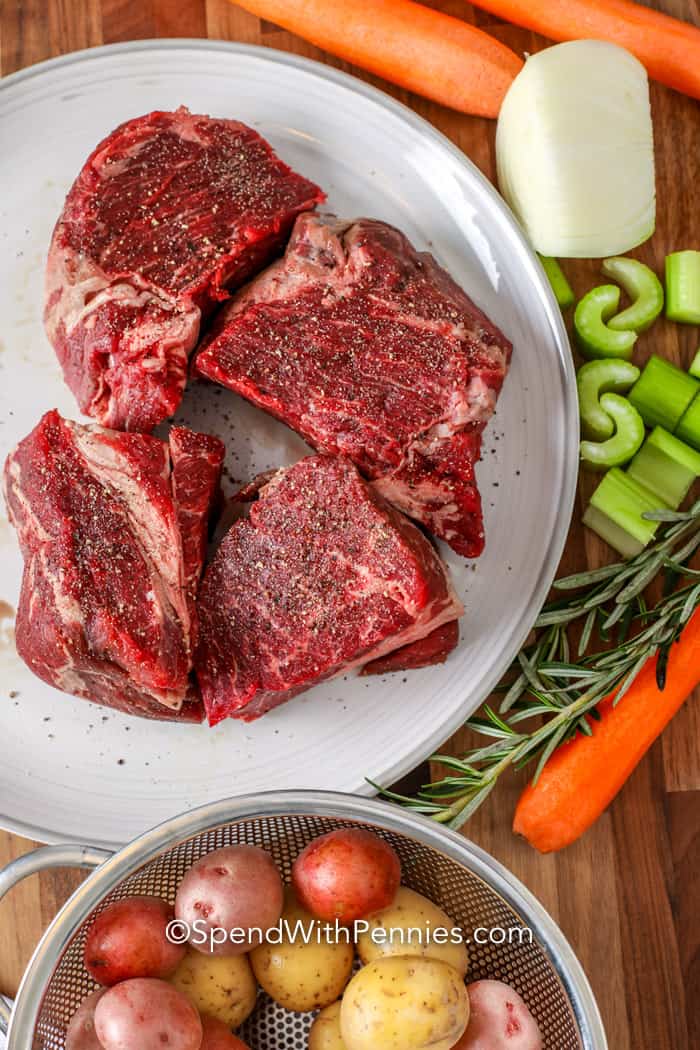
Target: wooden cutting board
column 628, row 895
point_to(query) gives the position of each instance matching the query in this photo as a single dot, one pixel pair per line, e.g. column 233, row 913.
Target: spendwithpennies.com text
column 200, row 934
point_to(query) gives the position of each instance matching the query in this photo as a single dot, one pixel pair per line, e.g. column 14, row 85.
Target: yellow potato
column 220, row 985
column 404, row 1002
column 411, row 923
column 303, row 976
column 325, row 1031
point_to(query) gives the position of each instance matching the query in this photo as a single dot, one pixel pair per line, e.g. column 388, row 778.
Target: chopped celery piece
column 666, row 466
column 596, row 378
column 676, row 449
column 594, row 337
column 628, row 436
column 694, row 369
column 683, row 287
column 615, row 513
column 560, row 285
column 613, row 534
column 663, row 393
column 644, row 289
column 689, row 427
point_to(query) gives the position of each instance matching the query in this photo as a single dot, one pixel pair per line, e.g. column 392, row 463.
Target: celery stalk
column 594, row 379
column 683, row 287
column 665, row 466
column 694, row 369
column 663, row 393
column 615, row 513
column 560, row 285
column 593, row 336
column 644, row 289
column 688, row 428
column 623, row 443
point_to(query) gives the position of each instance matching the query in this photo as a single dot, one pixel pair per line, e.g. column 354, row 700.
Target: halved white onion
column 575, row 150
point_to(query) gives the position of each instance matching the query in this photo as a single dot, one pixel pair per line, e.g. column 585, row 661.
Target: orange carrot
column 582, row 777
column 669, row 48
column 411, row 45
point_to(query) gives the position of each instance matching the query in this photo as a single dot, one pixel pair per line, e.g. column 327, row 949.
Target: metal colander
column 471, row 887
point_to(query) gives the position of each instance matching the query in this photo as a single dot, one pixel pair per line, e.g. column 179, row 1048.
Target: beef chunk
column 169, row 211
column 111, row 557
column 322, row 576
column 370, row 350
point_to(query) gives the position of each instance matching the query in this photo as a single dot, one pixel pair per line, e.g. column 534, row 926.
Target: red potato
column 128, row 939
column 498, row 1020
column 80, row 1034
column 216, row 1036
column 147, row 1014
column 237, row 888
column 346, row 875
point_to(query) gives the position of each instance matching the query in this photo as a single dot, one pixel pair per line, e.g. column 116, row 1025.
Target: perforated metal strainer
column 472, row 888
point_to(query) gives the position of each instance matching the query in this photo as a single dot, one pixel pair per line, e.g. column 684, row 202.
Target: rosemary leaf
column 553, row 743
column 689, row 548
column 681, row 570
column 555, row 616
column 618, row 613
column 672, row 515
column 587, row 631
column 641, row 580
column 585, row 579
column 630, row 677
column 514, row 693
column 690, row 604
column 463, row 815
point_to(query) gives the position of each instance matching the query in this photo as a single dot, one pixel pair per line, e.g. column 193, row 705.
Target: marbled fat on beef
column 322, row 576
column 169, row 211
column 370, row 350
column 112, row 546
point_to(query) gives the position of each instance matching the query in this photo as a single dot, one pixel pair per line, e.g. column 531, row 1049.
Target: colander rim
column 338, row 805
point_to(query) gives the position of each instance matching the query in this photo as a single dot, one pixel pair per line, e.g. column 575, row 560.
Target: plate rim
column 531, row 267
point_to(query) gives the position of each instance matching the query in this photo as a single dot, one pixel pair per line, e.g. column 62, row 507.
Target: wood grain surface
column 627, row 896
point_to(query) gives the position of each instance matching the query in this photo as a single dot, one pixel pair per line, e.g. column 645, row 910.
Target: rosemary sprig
column 546, row 683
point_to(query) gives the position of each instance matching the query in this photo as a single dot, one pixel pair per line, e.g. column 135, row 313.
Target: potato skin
column 346, row 874
column 147, row 1014
column 325, row 1031
column 222, row 986
column 128, row 939
column 302, row 976
column 499, row 1020
column 412, row 910
column 80, row 1034
column 404, row 1003
column 217, row 1036
column 237, row 887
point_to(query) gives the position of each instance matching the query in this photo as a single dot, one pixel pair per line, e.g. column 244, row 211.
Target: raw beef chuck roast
column 168, row 212
column 323, row 575
column 370, row 350
column 113, row 545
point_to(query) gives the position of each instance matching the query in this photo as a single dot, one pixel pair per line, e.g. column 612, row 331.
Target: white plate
column 70, row 770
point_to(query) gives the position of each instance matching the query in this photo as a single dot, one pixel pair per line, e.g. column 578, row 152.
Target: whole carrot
column 669, row 48
column 411, row 45
column 582, row 777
